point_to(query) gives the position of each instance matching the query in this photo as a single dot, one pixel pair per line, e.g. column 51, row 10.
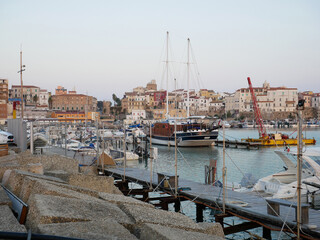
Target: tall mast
column 300, row 107
column 188, row 81
column 21, row 70
column 167, row 67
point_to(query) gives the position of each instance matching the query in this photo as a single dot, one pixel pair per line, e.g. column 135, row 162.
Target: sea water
column 239, row 162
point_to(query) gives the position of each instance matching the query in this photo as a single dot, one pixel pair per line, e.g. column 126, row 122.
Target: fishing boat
column 189, row 133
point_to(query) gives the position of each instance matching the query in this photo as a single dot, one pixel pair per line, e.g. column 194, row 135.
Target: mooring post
column 218, row 218
column 177, row 205
column 266, row 233
column 199, row 212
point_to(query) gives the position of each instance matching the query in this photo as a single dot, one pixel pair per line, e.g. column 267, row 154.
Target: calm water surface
column 259, row 163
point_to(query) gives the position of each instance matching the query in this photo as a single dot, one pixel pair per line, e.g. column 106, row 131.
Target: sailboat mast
column 299, row 154
column 167, row 68
column 188, row 81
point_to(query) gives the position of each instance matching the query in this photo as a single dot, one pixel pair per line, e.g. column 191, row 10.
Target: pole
column 151, row 157
column 176, row 159
column 65, row 138
column 124, row 155
column 21, row 97
column 299, row 159
column 97, row 129
column 104, row 146
column 21, row 82
column 188, row 78
column 167, row 67
column 224, row 171
column 31, row 137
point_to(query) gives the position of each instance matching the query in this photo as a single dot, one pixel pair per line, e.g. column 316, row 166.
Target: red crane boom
column 257, row 114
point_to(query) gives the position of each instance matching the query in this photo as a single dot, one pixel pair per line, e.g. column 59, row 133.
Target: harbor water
column 239, row 162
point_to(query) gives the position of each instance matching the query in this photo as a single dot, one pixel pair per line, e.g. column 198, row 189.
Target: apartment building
column 307, row 97
column 30, row 93
column 74, row 102
column 44, row 97
column 269, row 99
column 60, row 90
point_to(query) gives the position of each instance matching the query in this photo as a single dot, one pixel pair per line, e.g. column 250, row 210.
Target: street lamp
column 20, row 71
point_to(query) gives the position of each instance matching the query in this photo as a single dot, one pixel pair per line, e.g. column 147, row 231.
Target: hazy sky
column 105, row 47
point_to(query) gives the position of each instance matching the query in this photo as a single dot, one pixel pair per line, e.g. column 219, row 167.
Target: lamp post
column 21, row 82
column 21, row 95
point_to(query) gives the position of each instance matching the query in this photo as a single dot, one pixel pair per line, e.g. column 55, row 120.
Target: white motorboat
column 284, row 184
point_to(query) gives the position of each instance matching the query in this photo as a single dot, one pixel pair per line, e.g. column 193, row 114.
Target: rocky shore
column 66, row 201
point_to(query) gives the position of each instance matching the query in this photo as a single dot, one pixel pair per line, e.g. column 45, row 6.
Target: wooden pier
column 238, row 144
column 248, row 206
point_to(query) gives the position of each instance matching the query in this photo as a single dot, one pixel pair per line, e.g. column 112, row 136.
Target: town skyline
column 106, row 47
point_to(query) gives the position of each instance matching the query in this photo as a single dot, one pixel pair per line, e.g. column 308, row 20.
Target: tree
column 35, row 98
column 100, row 106
column 117, row 101
column 50, row 102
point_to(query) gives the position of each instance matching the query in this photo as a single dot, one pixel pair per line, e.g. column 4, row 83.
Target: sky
column 106, row 47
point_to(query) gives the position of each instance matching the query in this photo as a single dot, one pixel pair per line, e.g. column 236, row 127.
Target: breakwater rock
column 65, row 202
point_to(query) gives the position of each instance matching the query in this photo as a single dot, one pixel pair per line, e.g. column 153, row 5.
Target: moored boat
column 188, row 134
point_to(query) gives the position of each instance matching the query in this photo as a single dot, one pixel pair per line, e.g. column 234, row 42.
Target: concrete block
column 58, row 174
column 97, row 183
column 89, row 170
column 212, row 228
column 32, row 167
column 6, row 176
column 4, row 199
column 33, row 185
column 16, row 178
column 103, row 229
column 44, row 209
column 49, row 162
column 141, row 215
column 159, row 232
column 121, row 199
column 8, row 222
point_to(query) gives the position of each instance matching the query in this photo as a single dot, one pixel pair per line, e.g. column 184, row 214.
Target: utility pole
column 21, row 97
column 300, row 108
column 21, row 82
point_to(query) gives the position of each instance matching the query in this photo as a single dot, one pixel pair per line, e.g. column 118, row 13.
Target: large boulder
column 8, row 222
column 45, row 209
column 160, row 232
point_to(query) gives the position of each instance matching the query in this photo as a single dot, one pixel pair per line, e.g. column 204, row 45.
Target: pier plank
column 249, row 206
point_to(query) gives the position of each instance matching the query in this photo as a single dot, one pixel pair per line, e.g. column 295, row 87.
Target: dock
column 248, row 206
column 238, row 144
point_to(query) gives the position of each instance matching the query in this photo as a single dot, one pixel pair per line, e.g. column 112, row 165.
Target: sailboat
column 190, row 131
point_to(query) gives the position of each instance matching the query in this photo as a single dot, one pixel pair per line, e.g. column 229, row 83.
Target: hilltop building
column 271, row 100
column 30, row 93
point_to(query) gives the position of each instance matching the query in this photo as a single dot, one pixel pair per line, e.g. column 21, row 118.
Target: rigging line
column 286, row 218
column 184, row 158
column 196, row 67
column 257, row 191
column 159, row 61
